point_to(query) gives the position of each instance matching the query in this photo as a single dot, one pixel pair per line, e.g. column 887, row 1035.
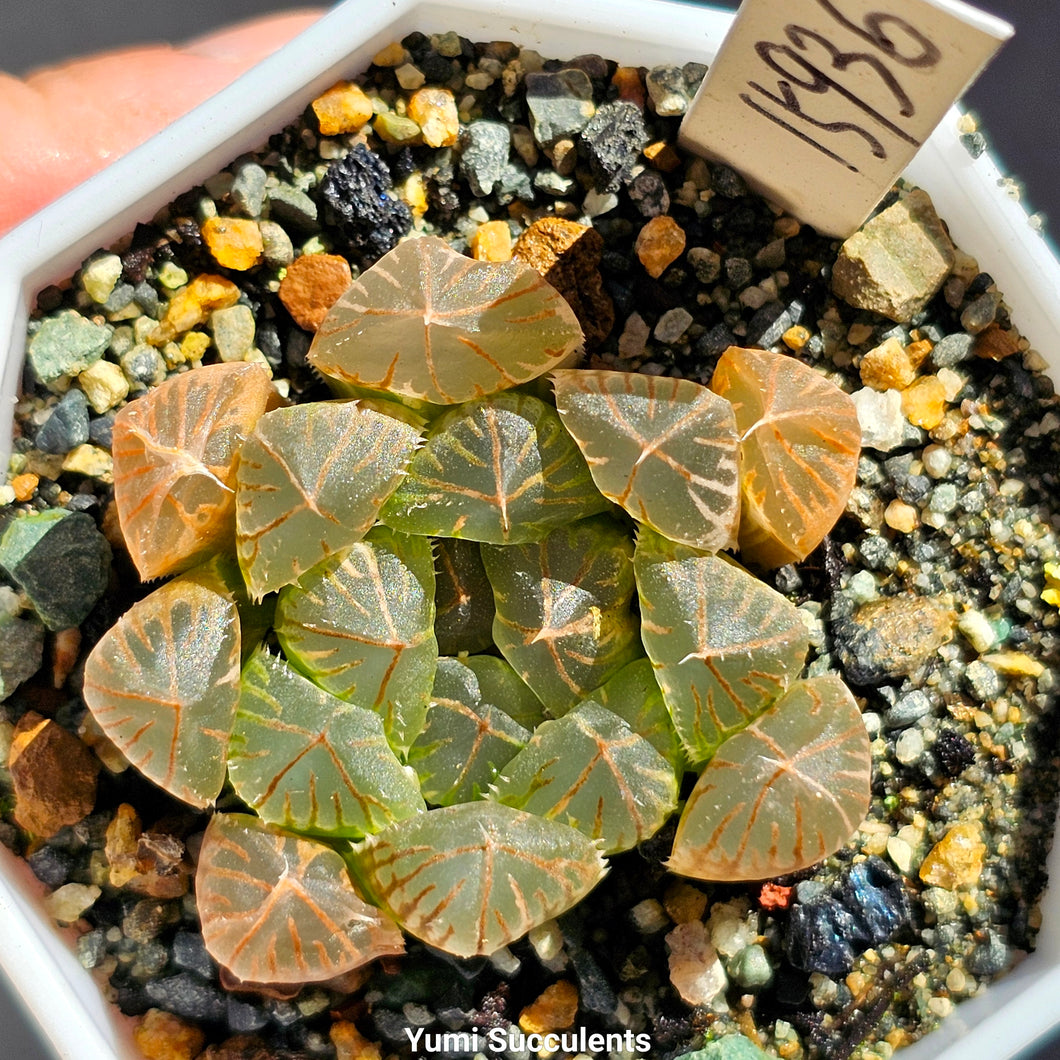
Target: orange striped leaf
column 474, row 877
column 279, row 909
column 501, row 470
column 723, row 643
column 787, row 791
column 564, row 617
column 427, row 323
column 311, row 481
column 361, row 625
column 307, row 761
column 163, row 683
column 590, row 770
column 175, row 452
column 664, row 449
column 800, row 445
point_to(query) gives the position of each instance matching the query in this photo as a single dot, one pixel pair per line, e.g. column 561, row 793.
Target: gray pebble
column 143, row 366
column 673, row 324
column 277, row 248
column 908, row 709
column 706, row 264
column 560, row 104
column 980, row 314
column 952, row 350
column 67, row 426
column 244, row 1018
column 668, row 89
column 248, row 189
column 649, row 194
column 486, row 145
column 293, row 207
column 189, row 954
column 91, row 948
column 990, row 956
column 738, row 272
column 983, row 681
column 188, row 997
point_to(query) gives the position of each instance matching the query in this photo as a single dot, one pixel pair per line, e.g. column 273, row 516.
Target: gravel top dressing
column 934, row 597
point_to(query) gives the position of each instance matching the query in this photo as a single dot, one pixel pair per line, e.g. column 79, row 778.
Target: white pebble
column 977, row 629
column 696, row 971
column 909, row 747
column 937, row 461
column 649, row 916
column 880, row 417
column 71, row 900
column 673, row 324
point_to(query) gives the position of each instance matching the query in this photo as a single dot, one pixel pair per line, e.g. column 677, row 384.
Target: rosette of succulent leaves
column 458, row 635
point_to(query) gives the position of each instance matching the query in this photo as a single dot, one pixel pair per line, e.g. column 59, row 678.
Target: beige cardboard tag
column 820, row 104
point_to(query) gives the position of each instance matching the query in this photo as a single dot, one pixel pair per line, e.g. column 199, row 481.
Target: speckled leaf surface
column 723, row 644
column 664, row 449
column 800, row 445
column 175, row 451
column 564, row 620
column 221, row 574
column 361, row 625
column 280, row 909
column 463, row 599
column 308, row 761
column 634, row 695
column 469, row 734
column 163, row 683
column 501, row 470
column 787, row 791
column 472, row 878
column 310, row 482
column 590, row 770
column 428, row 323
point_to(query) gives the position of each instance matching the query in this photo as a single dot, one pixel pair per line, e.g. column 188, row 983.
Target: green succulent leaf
column 787, row 791
column 279, row 909
column 724, row 645
column 472, row 878
column 501, row 470
column 310, row 482
column 308, row 761
column 463, row 600
column 221, row 574
column 361, row 625
column 590, row 770
column 469, row 733
column 163, row 684
column 634, row 695
column 800, row 445
column 427, row 323
column 564, row 619
column 664, row 449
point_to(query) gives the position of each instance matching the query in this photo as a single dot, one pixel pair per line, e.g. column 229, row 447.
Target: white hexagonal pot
column 54, row 988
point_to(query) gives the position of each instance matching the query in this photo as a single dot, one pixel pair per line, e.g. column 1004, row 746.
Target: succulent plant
column 468, row 652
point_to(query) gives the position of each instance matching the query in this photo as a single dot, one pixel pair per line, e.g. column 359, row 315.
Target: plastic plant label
column 820, row 104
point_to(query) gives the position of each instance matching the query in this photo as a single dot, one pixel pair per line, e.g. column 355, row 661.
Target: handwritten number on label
column 809, row 77
column 875, row 35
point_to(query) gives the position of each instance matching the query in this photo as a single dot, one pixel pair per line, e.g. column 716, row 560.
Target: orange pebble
column 312, row 286
column 344, row 108
column 24, row 486
column 659, row 244
column 235, row 242
column 492, row 241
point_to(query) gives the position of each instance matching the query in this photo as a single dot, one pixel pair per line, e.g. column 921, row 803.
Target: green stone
column 751, row 968
column 66, row 344
column 395, row 128
column 21, row 651
column 731, row 1047
column 233, row 332
column 60, row 561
